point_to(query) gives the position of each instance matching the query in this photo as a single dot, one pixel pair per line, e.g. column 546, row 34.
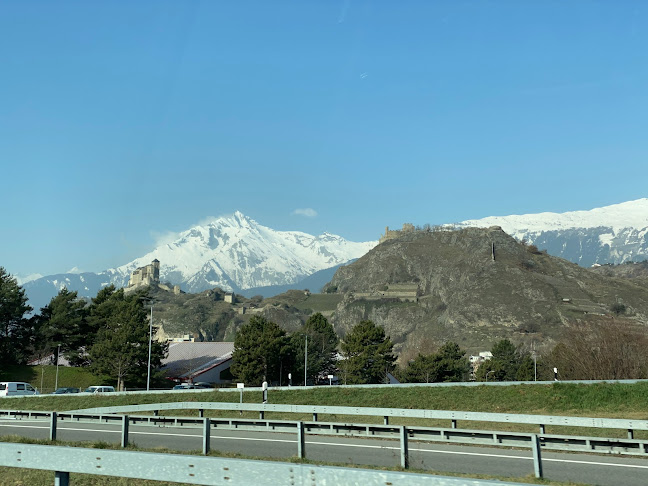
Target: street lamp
column 148, row 375
column 58, row 353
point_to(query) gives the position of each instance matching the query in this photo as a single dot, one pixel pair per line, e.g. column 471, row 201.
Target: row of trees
column 265, row 352
column 110, row 334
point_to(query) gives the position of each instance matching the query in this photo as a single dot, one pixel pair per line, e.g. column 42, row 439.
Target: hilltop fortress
column 149, row 275
column 391, row 234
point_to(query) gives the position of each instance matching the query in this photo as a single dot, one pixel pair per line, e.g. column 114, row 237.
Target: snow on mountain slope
column 611, row 234
column 631, row 214
column 236, row 252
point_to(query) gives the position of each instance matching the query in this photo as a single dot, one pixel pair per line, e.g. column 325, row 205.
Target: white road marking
column 339, row 444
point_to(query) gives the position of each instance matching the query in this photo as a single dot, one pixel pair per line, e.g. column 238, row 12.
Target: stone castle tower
column 146, row 275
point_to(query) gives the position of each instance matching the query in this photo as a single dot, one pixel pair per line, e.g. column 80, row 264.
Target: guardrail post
column 201, row 412
column 453, row 424
column 124, row 434
column 52, row 431
column 314, row 417
column 404, row 448
column 537, row 457
column 542, row 429
column 386, row 420
column 301, row 440
column 261, row 414
column 206, row 436
column 630, row 434
column 156, row 413
column 61, row 478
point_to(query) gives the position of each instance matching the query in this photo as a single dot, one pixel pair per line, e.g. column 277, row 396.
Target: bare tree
column 607, row 349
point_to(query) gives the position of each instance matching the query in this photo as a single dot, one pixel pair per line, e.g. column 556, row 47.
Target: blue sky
column 121, row 121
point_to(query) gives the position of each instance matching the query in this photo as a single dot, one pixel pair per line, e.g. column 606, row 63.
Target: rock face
column 474, row 286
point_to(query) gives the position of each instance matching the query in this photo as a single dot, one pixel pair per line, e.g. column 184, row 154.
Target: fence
column 453, row 416
column 402, row 433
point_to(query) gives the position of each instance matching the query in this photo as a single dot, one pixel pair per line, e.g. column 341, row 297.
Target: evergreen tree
column 322, row 348
column 504, row 364
column 63, row 321
column 447, row 364
column 16, row 331
column 121, row 346
column 260, row 349
column 367, row 354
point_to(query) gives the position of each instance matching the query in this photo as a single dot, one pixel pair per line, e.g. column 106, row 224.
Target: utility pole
column 535, row 364
column 148, row 375
column 58, row 354
column 306, row 360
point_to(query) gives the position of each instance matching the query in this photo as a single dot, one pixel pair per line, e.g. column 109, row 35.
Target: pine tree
column 63, row 321
column 260, row 349
column 367, row 354
column 322, row 348
column 447, row 364
column 121, row 346
column 16, row 331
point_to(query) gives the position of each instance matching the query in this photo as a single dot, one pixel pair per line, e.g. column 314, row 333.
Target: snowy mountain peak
column 235, row 252
column 630, row 214
column 611, row 234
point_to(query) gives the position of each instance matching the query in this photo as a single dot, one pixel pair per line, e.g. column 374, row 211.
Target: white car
column 99, row 389
column 12, row 388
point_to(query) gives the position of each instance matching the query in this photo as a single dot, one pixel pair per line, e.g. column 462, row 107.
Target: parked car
column 12, row 388
column 60, row 391
column 185, row 386
column 203, row 384
column 99, row 389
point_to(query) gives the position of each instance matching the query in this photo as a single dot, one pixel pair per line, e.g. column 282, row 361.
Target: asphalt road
column 583, row 468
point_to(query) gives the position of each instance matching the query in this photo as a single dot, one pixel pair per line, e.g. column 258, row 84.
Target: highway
column 601, row 470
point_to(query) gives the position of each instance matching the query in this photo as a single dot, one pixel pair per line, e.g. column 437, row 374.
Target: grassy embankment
column 599, row 400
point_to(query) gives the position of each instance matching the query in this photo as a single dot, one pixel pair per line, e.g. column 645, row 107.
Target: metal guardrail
column 377, row 385
column 454, row 416
column 428, row 434
column 207, row 470
column 401, row 433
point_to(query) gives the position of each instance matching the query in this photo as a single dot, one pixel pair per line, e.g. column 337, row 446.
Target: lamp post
column 148, row 375
column 305, row 361
column 58, row 353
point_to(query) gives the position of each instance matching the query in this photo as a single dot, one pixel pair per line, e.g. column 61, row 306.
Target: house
column 205, row 361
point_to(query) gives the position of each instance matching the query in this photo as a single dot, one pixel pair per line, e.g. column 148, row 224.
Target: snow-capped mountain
column 233, row 253
column 236, row 252
column 611, row 234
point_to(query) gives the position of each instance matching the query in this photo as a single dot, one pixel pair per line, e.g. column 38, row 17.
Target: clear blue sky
column 123, row 120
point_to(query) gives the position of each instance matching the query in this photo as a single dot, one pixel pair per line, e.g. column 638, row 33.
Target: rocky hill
column 637, row 272
column 474, row 286
column 207, row 316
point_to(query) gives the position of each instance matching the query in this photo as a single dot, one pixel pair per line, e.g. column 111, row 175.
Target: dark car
column 184, row 386
column 60, row 391
column 203, row 384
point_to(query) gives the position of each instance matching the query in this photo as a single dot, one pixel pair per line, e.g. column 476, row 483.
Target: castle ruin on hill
column 146, row 275
column 391, row 234
column 149, row 275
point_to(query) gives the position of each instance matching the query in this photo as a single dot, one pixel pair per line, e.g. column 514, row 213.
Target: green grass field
column 598, row 400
